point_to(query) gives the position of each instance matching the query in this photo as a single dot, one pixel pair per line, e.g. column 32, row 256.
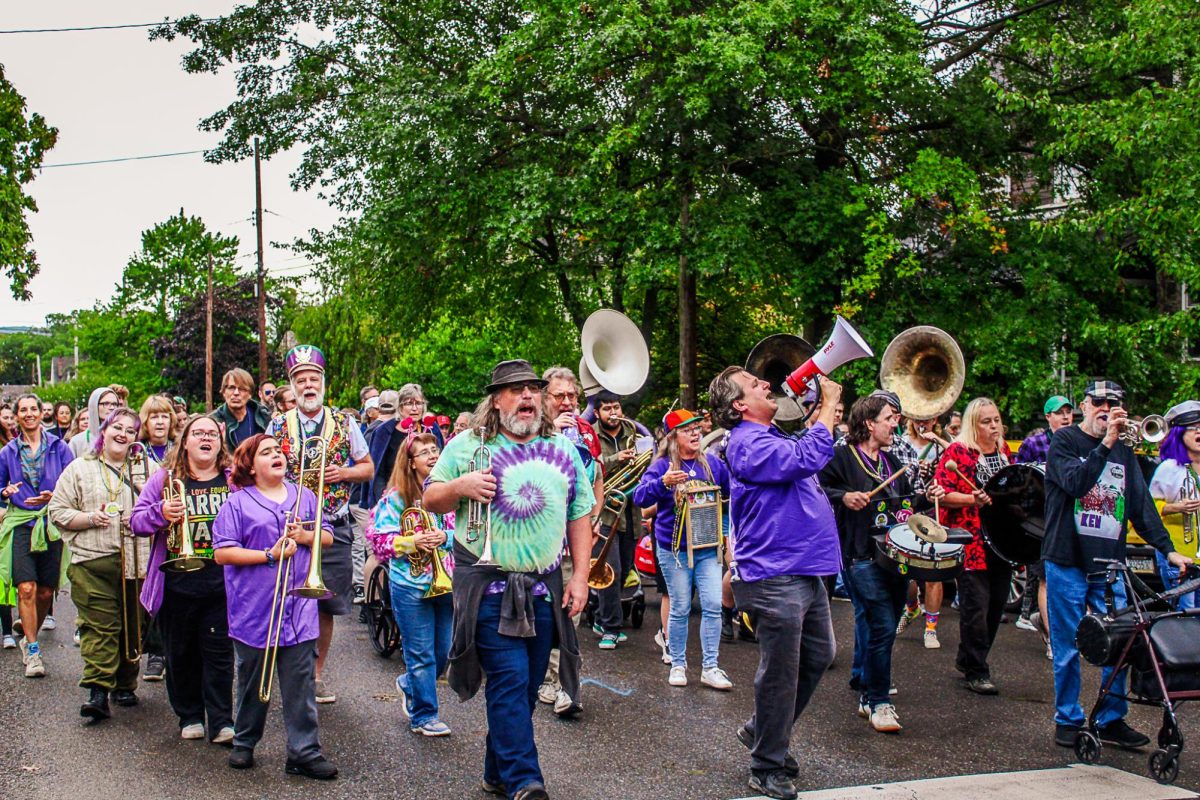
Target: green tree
column 172, row 266
column 24, row 140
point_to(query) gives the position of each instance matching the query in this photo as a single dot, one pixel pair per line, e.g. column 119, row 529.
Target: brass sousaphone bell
column 925, row 368
column 615, row 356
column 772, row 360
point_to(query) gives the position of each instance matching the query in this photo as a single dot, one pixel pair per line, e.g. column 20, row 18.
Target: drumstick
column 885, row 484
column 952, row 466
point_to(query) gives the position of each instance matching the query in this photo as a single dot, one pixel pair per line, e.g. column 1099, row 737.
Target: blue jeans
column 425, row 631
column 1069, row 593
column 861, row 632
column 878, row 598
column 514, row 667
column 1170, row 576
column 705, row 577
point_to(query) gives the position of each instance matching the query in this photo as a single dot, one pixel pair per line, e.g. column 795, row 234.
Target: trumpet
column 181, row 533
column 1152, row 429
column 314, row 586
column 479, row 514
column 417, row 520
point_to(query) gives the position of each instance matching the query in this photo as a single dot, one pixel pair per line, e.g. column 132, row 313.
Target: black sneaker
column 1121, row 735
column 790, row 765
column 360, row 596
column 156, row 668
column 1064, row 735
column 726, row 630
column 319, row 768
column 982, row 686
column 241, row 758
column 96, row 707
column 773, row 783
column 532, row 791
column 124, row 698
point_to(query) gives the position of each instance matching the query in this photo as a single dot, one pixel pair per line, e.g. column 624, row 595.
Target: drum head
column 1015, row 522
column 903, row 539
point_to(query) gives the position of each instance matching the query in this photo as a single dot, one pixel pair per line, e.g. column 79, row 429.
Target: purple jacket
column 781, row 519
column 651, row 491
column 58, row 455
column 147, row 520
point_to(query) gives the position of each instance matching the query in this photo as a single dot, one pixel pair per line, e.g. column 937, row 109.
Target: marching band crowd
column 190, row 540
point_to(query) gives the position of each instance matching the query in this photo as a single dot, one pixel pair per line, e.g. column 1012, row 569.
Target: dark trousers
column 609, row 614
column 295, row 670
column 981, row 598
column 514, row 667
column 878, row 596
column 796, row 646
column 6, row 620
column 195, row 633
column 104, row 622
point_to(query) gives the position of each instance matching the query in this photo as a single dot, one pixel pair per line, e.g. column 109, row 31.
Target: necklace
column 880, row 470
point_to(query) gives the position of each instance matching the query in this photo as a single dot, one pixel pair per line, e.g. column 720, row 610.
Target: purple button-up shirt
column 58, row 455
column 250, row 520
column 781, row 519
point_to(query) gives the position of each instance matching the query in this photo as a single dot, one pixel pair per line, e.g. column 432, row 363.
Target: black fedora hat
column 507, row 373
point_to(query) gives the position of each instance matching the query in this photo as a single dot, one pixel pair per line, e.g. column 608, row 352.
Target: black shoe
column 156, row 668
column 1064, row 735
column 1121, row 735
column 790, row 765
column 241, row 758
column 96, row 707
column 362, row 615
column 124, row 698
column 855, row 684
column 726, row 630
column 982, row 686
column 320, row 768
column 773, row 783
column 531, row 791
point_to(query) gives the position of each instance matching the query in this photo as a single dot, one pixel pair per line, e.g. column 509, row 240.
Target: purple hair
column 1173, row 447
column 123, row 411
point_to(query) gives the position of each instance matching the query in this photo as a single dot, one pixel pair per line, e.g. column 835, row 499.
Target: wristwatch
column 270, row 558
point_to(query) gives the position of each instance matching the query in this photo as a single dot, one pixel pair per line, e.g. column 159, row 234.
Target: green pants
column 96, row 591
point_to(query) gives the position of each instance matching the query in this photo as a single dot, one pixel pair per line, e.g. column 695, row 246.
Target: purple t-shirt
column 250, row 520
column 781, row 519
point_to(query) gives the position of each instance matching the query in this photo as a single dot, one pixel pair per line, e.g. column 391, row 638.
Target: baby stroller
column 1161, row 650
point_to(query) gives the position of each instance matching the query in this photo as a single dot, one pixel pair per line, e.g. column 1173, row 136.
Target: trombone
column 313, row 587
column 1191, row 521
column 479, row 514
column 181, row 533
column 131, row 647
column 413, row 521
column 616, row 495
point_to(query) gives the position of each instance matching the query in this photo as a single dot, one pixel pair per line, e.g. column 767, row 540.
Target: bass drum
column 900, row 551
column 1015, row 522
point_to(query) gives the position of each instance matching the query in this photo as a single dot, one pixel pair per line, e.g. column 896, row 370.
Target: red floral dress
column 966, row 518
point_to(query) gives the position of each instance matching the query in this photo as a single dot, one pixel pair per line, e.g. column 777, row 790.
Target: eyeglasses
column 426, row 453
column 121, row 429
column 1105, row 403
column 412, row 402
column 107, row 404
column 558, row 397
column 205, row 435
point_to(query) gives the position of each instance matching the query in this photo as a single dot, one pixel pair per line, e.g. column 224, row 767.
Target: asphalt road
column 638, row 737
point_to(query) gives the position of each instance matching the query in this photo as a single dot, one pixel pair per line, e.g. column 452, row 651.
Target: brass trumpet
column 1152, row 429
column 181, row 532
column 479, row 514
column 417, row 520
column 314, row 586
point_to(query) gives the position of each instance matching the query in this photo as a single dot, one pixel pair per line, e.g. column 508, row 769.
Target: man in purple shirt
column 784, row 539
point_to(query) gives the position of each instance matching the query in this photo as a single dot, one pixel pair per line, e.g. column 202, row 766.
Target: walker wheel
column 1164, row 766
column 638, row 613
column 1087, row 747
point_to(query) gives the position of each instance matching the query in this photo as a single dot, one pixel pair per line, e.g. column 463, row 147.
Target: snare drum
column 900, row 551
column 1015, row 522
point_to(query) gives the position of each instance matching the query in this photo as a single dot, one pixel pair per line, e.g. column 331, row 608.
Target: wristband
column 270, row 558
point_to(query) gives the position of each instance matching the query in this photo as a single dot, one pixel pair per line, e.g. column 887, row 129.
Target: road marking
column 602, row 685
column 1076, row 782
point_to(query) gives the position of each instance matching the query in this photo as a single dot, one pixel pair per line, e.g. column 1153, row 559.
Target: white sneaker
column 48, row 624
column 193, row 731
column 33, row 666
column 75, row 637
column 864, row 710
column 884, row 719
column 547, row 692
column 1049, row 653
column 23, row 643
column 678, row 676
column 9, row 642
column 660, row 639
column 931, row 640
column 224, row 736
column 1024, row 624
column 564, row 706
column 715, row 678
column 323, row 694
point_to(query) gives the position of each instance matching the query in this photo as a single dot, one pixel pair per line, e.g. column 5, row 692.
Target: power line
column 126, row 158
column 97, row 27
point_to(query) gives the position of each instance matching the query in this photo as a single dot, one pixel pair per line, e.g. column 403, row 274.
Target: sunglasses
column 1105, row 402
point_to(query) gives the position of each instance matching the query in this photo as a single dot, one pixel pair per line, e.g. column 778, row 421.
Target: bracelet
column 270, row 558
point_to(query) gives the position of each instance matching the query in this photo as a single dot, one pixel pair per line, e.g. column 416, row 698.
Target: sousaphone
column 772, row 360
column 924, row 367
column 615, row 356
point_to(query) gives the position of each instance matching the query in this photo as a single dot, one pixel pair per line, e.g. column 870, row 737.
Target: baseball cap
column 892, row 398
column 680, row 417
column 1055, row 403
column 389, row 400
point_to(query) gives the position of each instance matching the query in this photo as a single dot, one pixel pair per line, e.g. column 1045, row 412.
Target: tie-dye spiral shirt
column 541, row 485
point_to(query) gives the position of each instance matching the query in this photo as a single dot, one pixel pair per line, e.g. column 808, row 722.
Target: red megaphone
column 844, row 345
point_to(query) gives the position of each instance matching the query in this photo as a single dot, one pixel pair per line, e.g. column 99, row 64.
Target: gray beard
column 516, row 427
column 313, row 406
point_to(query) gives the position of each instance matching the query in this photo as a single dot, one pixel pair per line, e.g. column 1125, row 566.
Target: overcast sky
column 114, row 94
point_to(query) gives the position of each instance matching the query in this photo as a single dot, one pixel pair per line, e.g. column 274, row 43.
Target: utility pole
column 687, row 309
column 262, row 295
column 208, row 347
column 39, row 369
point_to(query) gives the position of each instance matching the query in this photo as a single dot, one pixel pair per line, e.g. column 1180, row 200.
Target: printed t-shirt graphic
column 1101, row 512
